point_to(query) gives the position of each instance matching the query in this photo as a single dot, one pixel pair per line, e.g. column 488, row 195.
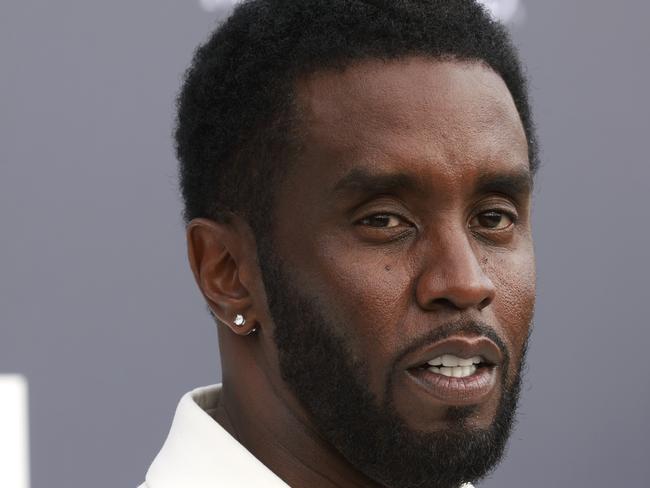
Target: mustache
column 449, row 329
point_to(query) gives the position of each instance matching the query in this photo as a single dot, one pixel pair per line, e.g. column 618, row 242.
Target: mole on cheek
column 388, row 267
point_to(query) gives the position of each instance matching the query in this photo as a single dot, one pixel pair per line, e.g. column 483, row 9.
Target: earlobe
column 240, row 323
column 216, row 254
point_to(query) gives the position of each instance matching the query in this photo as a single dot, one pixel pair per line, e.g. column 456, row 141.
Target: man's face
column 402, row 235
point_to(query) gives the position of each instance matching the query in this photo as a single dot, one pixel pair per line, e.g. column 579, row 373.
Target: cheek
column 373, row 294
column 514, row 278
column 367, row 297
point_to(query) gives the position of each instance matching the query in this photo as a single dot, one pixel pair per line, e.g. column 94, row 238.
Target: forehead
column 448, row 115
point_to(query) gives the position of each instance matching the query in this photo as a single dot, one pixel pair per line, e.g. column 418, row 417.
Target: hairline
column 294, row 117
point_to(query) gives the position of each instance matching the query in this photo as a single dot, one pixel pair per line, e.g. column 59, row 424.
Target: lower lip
column 452, row 391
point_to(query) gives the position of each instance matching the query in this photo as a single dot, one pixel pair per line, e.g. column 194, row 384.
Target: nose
column 453, row 277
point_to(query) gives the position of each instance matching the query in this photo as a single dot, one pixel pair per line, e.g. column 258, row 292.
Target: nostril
column 443, row 302
column 484, row 303
column 457, row 305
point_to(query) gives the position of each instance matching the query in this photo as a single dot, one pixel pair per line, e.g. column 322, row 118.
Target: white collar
column 199, row 453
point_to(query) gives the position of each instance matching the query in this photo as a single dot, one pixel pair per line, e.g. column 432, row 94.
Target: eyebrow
column 516, row 183
column 360, row 180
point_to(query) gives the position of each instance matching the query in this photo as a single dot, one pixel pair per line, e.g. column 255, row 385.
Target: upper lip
column 461, row 346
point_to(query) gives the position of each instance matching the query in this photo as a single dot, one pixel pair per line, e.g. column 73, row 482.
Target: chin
column 423, row 411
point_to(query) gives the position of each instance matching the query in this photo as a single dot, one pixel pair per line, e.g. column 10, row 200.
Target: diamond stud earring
column 239, row 320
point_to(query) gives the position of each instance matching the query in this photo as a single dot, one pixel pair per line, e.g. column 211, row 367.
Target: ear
column 219, row 254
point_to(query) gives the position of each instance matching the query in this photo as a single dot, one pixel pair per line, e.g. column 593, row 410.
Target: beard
column 319, row 368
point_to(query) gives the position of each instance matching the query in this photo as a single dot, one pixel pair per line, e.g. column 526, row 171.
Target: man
column 357, row 184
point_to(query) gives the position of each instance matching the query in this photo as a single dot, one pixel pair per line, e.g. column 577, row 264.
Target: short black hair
column 236, row 129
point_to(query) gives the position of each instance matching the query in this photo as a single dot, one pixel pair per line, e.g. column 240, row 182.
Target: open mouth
column 456, row 371
column 454, row 366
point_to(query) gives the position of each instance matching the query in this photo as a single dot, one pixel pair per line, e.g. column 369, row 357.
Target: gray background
column 99, row 310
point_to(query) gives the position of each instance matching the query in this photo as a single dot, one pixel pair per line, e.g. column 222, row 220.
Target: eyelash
column 509, row 214
column 502, row 212
column 389, row 215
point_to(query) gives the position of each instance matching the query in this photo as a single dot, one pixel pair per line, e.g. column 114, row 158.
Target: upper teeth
column 450, row 365
column 456, row 371
column 450, row 361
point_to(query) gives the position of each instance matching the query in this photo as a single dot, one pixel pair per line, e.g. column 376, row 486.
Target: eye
column 493, row 220
column 386, row 221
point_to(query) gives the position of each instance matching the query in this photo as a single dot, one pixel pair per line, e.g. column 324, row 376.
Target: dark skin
column 410, row 207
